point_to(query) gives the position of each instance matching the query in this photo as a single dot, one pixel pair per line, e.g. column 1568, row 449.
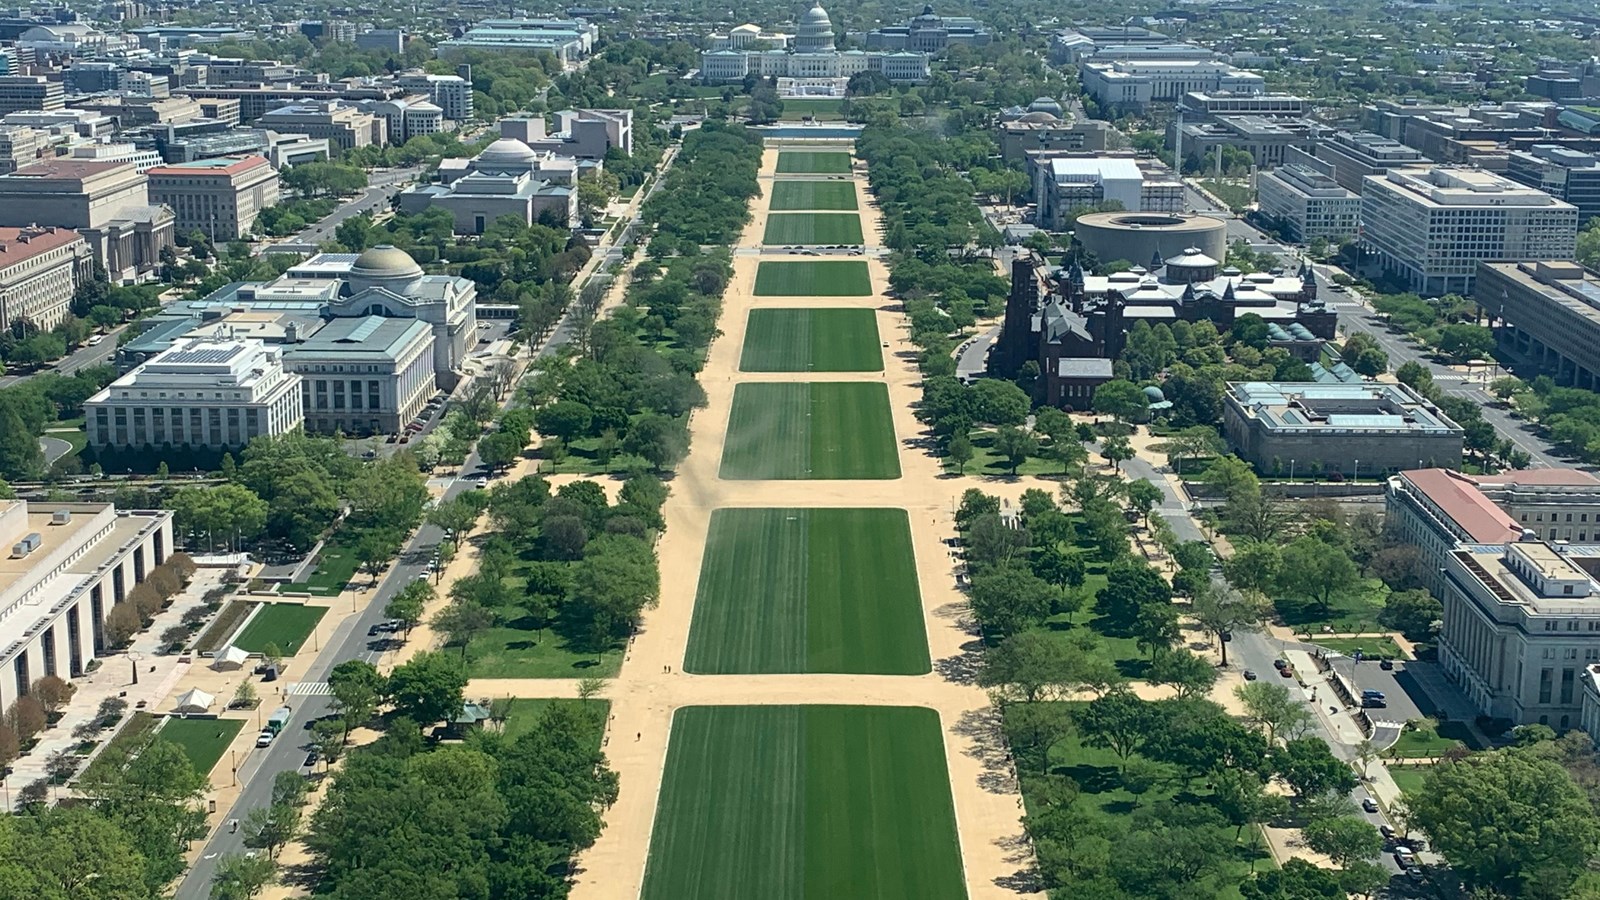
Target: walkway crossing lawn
column 813, row 162
column 805, row 803
column 813, row 228
column 845, row 278
column 808, row 590
column 811, row 340
column 810, row 430
column 813, row 195
column 202, row 740
column 285, row 624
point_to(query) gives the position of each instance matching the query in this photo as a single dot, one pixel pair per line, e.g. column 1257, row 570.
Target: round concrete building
column 1139, row 236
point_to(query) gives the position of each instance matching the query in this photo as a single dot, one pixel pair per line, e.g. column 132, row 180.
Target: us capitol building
column 810, row 53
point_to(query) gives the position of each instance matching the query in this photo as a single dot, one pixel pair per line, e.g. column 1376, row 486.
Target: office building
column 929, row 32
column 1265, row 138
column 1562, row 172
column 1355, row 156
column 569, row 40
column 1308, row 203
column 1044, row 126
column 811, row 54
column 1547, row 313
column 451, row 93
column 1206, row 106
column 1521, row 627
column 579, row 133
column 343, row 126
column 382, row 40
column 1430, row 227
column 1470, row 135
column 1065, row 182
column 408, row 117
column 107, row 202
column 1438, row 510
column 1133, row 84
column 368, row 375
column 218, row 197
column 19, row 146
column 40, row 269
column 69, row 563
column 1370, row 428
column 21, row 93
column 1076, row 43
column 203, row 392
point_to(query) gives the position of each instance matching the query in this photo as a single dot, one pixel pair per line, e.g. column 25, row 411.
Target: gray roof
column 1084, row 367
column 374, row 335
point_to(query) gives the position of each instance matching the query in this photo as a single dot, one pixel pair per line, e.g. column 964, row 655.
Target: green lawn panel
column 792, row 195
column 202, row 740
column 285, row 624
column 843, row 278
column 817, row 430
column 808, row 590
column 750, row 612
column 813, row 162
column 805, row 803
column 729, row 824
column 884, row 826
column 811, row 340
column 813, row 228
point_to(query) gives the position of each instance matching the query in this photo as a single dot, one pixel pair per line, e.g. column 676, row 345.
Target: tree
column 999, row 403
column 1297, row 880
column 244, row 696
column 1344, row 840
column 241, row 877
column 357, row 688
column 1415, row 613
column 1119, row 722
column 462, row 621
column 1465, row 342
column 1254, row 566
column 661, row 440
column 1131, row 585
column 328, row 736
column 1507, row 820
column 1155, row 627
column 1269, row 706
column 1241, row 796
column 991, row 542
column 1222, row 610
column 26, row 716
column 428, row 688
column 1031, row 663
column 407, row 606
column 1310, row 768
column 270, row 828
column 1142, row 498
column 52, row 692
column 457, row 515
column 1188, row 673
column 1009, row 598
column 614, row 582
column 1120, row 399
column 20, row 456
column 1115, row 449
column 960, row 450
column 1317, row 571
column 1015, row 445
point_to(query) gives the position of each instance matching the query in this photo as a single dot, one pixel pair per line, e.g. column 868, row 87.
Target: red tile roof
column 1458, row 496
column 1537, row 476
column 18, row 244
column 234, row 166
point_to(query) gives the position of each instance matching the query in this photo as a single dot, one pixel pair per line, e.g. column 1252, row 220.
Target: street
column 374, row 198
column 81, row 358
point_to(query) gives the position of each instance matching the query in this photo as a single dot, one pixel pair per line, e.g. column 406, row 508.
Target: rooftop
column 1448, row 186
column 1458, row 497
column 1339, row 408
column 18, row 244
column 370, row 336
column 226, row 165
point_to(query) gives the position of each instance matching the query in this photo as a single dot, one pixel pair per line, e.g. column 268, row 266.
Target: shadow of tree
column 963, row 668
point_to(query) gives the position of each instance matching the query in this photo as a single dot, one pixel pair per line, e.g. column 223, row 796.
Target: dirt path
column 651, row 685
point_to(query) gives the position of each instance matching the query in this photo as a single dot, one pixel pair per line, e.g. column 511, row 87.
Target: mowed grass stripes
column 808, row 590
column 815, row 430
column 791, row 195
column 845, row 278
column 813, row 162
column 812, row 228
column 805, row 803
column 811, row 340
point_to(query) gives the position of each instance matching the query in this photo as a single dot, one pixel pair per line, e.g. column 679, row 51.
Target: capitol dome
column 815, row 33
column 385, row 266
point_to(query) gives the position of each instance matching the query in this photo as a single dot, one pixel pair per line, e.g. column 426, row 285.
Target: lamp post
column 1357, row 475
column 133, row 663
column 1291, row 468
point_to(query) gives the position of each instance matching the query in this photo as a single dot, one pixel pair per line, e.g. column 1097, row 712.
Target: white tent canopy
column 230, row 658
column 195, row 700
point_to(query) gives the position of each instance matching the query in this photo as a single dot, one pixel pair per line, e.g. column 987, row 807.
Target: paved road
column 53, row 449
column 1355, row 316
column 381, row 183
column 81, row 358
column 351, row 641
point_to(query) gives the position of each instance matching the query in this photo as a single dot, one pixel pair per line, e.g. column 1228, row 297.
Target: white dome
column 817, row 16
column 385, row 266
column 508, row 151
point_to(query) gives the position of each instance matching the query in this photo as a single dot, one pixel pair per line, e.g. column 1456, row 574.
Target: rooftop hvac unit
column 61, row 517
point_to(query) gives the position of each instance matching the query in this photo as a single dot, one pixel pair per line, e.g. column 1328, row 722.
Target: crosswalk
column 307, row 689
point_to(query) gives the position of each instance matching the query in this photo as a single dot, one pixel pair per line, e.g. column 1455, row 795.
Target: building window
column 1546, row 684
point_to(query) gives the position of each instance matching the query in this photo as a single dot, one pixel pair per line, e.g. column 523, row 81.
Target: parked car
column 1404, row 858
column 1374, row 703
column 264, row 739
column 1369, row 804
column 1280, row 664
column 1386, row 664
column 1415, row 873
column 1249, row 674
column 1387, row 832
column 1287, row 671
